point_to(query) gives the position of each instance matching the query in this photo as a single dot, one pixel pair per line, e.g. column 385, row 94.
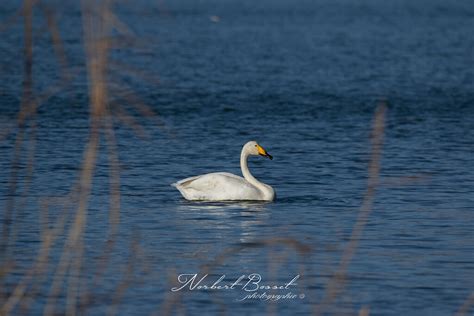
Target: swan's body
column 223, row 186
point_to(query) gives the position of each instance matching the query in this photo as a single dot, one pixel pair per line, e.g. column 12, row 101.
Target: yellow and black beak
column 263, row 152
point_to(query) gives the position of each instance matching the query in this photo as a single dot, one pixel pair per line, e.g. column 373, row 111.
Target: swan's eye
column 255, row 145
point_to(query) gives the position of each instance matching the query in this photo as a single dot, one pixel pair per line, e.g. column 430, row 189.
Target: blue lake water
column 303, row 79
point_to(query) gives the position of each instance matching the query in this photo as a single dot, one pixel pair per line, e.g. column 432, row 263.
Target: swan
column 223, row 186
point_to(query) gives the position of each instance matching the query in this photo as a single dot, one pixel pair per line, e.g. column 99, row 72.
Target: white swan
column 223, row 186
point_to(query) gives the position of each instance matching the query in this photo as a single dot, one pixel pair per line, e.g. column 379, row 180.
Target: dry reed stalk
column 336, row 283
column 73, row 242
column 127, row 120
column 48, row 237
column 57, row 42
column 26, row 109
column 364, row 311
column 464, row 309
column 127, row 95
column 119, row 68
column 26, row 5
column 128, row 279
column 96, row 51
column 405, row 180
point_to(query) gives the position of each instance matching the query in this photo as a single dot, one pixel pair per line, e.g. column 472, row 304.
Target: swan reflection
column 225, row 219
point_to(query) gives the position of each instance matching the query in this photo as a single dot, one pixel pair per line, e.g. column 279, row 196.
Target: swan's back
column 217, row 186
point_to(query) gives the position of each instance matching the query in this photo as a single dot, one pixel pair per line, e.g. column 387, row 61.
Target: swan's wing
column 184, row 182
column 216, row 186
column 204, row 180
column 210, row 181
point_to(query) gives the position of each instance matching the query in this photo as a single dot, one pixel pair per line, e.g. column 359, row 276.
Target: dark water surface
column 302, row 78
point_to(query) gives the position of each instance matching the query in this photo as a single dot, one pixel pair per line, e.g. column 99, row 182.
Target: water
column 302, row 79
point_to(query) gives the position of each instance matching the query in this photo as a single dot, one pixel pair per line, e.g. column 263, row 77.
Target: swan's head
column 255, row 149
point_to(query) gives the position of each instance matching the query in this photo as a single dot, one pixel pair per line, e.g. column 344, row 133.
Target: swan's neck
column 246, row 172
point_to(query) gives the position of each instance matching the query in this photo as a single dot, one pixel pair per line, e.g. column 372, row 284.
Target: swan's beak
column 263, row 152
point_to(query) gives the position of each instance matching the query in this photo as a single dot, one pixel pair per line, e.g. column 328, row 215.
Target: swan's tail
column 181, row 189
